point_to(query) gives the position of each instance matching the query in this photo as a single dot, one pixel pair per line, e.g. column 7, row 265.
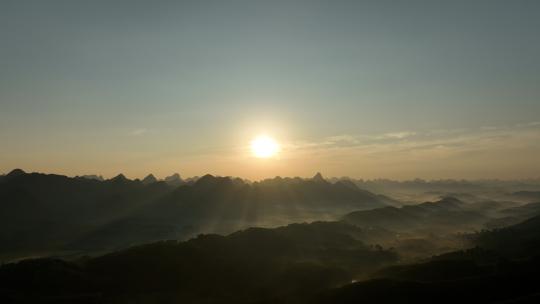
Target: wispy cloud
column 407, row 140
column 529, row 124
column 398, row 135
column 478, row 152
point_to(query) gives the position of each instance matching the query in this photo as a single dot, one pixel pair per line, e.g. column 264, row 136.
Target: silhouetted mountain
column 214, row 199
column 120, row 178
column 319, row 178
column 15, row 173
column 224, row 204
column 43, row 213
column 174, row 180
column 93, row 176
column 347, row 183
column 149, row 179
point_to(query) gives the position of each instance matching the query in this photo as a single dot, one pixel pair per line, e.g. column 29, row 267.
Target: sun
column 264, row 146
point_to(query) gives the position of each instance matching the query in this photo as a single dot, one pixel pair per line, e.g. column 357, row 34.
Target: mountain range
column 41, row 213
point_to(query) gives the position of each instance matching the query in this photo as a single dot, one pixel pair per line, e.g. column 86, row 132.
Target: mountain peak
column 92, row 177
column 450, row 200
column 318, row 177
column 347, row 183
column 15, row 172
column 173, row 180
column 207, row 179
column 119, row 177
column 149, row 179
column 175, row 176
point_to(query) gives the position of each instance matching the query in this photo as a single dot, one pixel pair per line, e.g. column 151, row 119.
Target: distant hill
column 530, row 196
column 419, row 190
column 447, row 215
column 514, row 215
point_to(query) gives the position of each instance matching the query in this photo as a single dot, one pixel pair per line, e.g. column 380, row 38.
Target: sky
column 366, row 89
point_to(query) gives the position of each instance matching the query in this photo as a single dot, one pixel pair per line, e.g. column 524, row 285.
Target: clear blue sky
column 395, row 89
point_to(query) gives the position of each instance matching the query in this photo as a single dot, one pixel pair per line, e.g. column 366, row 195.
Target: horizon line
column 101, row 176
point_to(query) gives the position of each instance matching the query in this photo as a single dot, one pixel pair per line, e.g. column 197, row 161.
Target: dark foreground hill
column 300, row 263
column 503, row 268
column 257, row 264
column 42, row 213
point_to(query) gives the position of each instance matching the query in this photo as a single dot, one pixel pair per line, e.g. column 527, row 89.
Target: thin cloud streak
column 467, row 153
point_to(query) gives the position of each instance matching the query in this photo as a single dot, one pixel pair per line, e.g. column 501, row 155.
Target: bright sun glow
column 263, row 146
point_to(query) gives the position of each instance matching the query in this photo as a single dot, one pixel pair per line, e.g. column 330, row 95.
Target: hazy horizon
column 327, row 177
